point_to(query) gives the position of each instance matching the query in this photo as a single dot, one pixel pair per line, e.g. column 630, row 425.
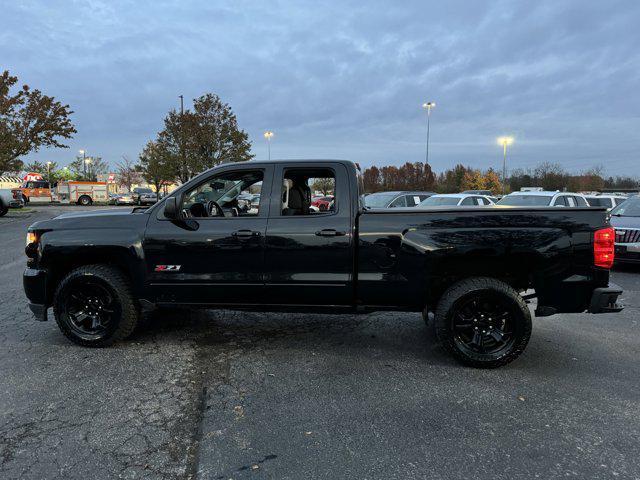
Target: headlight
column 32, row 237
column 31, row 249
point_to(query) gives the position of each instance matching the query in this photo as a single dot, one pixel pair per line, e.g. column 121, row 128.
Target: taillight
column 17, row 194
column 604, row 247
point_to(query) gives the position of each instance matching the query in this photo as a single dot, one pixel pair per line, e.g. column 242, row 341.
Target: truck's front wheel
column 483, row 322
column 94, row 306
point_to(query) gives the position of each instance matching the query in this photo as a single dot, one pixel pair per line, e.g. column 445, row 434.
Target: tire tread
column 459, row 289
column 122, row 287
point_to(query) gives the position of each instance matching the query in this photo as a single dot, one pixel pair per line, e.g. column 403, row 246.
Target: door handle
column 245, row 234
column 329, row 232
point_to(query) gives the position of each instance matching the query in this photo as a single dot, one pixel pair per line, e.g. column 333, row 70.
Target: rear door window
column 468, row 201
column 399, row 202
column 581, row 202
column 560, row 201
column 413, row 200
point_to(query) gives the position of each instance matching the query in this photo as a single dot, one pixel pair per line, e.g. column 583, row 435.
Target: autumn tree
column 154, row 165
column 371, row 179
column 472, row 180
column 492, row 182
column 29, row 120
column 202, row 138
column 450, row 181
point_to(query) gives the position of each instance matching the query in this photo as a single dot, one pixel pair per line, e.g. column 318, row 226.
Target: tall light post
column 49, row 172
column 84, row 169
column 504, row 141
column 87, row 162
column 428, row 106
column 268, row 134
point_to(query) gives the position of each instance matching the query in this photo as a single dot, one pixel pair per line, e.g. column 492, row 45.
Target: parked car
column 322, row 203
column 99, row 268
column 484, row 193
column 144, row 196
column 10, row 198
column 608, row 201
column 395, row 199
column 626, row 220
column 456, row 200
column 125, row 199
column 113, row 198
column 544, row 199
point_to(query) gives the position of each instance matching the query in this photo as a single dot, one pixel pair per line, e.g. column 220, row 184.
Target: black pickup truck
column 472, row 271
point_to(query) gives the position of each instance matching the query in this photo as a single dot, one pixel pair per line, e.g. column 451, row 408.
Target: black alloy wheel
column 94, row 306
column 483, row 322
column 91, row 308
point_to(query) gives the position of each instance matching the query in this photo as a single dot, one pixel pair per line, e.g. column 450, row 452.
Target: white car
column 544, row 199
column 9, row 199
column 608, row 201
column 456, row 200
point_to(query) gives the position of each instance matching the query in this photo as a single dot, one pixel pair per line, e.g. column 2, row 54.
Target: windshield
column 629, row 208
column 526, row 200
column 436, row 201
column 143, row 190
column 378, row 200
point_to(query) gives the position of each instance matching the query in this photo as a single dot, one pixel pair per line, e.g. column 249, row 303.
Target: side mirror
column 171, row 208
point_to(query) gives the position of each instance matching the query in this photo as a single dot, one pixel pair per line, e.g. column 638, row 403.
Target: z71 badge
column 167, row 268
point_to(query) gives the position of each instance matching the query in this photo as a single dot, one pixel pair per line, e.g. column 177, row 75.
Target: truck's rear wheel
column 94, row 306
column 3, row 209
column 85, row 200
column 483, row 322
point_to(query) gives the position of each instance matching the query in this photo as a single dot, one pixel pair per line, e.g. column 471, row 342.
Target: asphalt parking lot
column 232, row 395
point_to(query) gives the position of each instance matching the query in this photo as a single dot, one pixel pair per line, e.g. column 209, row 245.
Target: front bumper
column 34, row 281
column 605, row 300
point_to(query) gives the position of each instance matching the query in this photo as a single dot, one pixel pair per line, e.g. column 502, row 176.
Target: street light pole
column 87, row 162
column 182, row 133
column 84, row 168
column 268, row 134
column 49, row 173
column 428, row 106
column 504, row 141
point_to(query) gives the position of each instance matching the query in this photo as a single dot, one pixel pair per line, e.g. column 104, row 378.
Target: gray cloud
column 346, row 79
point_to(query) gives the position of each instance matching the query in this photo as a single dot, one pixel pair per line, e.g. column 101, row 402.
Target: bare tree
column 127, row 173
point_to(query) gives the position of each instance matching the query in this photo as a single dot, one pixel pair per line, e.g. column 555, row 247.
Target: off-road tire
column 520, row 316
column 3, row 209
column 119, row 286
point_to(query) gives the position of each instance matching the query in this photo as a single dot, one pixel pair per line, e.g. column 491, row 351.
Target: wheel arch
column 517, row 271
column 118, row 257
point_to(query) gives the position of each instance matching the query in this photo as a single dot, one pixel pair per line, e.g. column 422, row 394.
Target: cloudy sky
column 346, row 79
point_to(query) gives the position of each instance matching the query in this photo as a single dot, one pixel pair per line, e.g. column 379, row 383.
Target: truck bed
column 416, row 253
